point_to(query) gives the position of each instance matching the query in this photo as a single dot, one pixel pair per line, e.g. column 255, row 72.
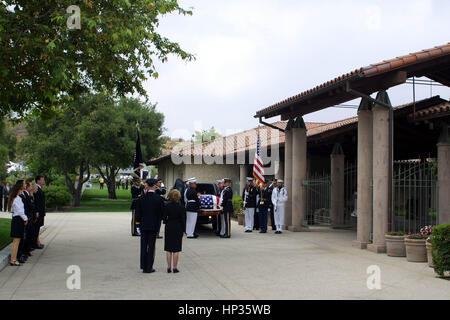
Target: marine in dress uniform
column 217, row 219
column 279, row 198
column 249, row 195
column 192, row 203
column 227, row 205
column 264, row 203
column 137, row 190
column 149, row 212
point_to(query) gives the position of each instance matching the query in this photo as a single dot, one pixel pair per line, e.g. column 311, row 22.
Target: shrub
column 440, row 246
column 432, row 214
column 237, row 205
column 59, row 181
column 396, row 233
column 57, row 196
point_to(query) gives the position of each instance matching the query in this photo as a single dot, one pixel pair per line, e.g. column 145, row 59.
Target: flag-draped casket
column 209, row 205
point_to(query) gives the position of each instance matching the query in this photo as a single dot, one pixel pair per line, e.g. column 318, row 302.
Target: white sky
column 254, row 53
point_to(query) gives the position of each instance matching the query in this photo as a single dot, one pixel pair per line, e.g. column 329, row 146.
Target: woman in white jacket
column 19, row 219
column 279, row 198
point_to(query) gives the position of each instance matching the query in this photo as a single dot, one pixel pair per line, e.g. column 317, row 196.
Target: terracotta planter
column 241, row 219
column 429, row 255
column 395, row 246
column 416, row 250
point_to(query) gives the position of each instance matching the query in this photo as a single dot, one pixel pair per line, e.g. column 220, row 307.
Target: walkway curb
column 5, row 253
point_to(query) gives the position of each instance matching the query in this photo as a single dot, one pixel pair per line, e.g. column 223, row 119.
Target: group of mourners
column 150, row 209
column 26, row 201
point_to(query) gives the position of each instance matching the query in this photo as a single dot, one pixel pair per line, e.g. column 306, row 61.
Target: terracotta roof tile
column 369, row 71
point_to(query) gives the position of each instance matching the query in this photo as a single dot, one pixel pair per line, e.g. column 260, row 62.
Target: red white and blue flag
column 209, row 202
column 258, row 165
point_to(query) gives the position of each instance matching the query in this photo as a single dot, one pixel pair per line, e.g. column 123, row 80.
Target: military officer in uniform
column 161, row 191
column 218, row 219
column 227, row 205
column 264, row 202
column 272, row 218
column 279, row 198
column 249, row 195
column 137, row 190
column 149, row 212
column 192, row 202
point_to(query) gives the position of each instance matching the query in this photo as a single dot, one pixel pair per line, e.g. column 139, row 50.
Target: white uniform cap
column 249, row 179
column 279, row 180
column 219, row 181
column 191, row 180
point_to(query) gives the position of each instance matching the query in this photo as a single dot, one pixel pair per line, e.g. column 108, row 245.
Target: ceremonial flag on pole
column 138, row 159
column 258, row 165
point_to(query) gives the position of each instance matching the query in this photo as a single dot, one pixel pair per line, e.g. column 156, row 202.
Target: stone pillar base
column 299, row 229
column 360, row 245
column 377, row 248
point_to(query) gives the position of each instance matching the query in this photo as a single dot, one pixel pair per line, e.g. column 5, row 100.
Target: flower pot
column 416, row 250
column 395, row 246
column 241, row 219
column 429, row 255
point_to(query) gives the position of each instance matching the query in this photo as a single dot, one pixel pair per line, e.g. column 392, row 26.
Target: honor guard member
column 264, row 203
column 192, row 202
column 272, row 218
column 249, row 195
column 149, row 212
column 227, row 205
column 137, row 190
column 279, row 198
column 217, row 219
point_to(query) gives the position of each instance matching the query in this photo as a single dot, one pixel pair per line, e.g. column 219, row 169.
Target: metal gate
column 415, row 195
column 318, row 199
column 350, row 197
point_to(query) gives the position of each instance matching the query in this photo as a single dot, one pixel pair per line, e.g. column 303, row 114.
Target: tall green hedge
column 441, row 248
column 57, row 196
column 237, row 205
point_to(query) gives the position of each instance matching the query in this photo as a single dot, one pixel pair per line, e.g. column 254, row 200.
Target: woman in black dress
column 175, row 219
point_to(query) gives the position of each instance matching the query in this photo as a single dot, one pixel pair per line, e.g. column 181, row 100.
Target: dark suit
column 39, row 203
column 149, row 212
column 30, row 212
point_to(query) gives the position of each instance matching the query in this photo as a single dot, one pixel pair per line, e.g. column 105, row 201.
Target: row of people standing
column 26, row 201
column 5, row 188
column 258, row 203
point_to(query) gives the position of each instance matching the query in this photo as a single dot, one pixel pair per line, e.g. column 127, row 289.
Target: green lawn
column 5, row 231
column 95, row 200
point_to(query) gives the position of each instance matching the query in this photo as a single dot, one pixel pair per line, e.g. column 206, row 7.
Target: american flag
column 258, row 166
column 209, row 202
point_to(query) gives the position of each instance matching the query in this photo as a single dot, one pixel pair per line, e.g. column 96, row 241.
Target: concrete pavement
column 315, row 265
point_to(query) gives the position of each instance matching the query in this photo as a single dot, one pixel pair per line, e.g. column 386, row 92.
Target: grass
column 96, row 200
column 5, row 231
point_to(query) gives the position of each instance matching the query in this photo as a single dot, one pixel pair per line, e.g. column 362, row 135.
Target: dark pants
column 263, row 219
column 134, row 223
column 5, row 204
column 148, row 239
column 272, row 219
column 101, row 185
column 217, row 223
column 227, row 219
column 29, row 237
column 256, row 220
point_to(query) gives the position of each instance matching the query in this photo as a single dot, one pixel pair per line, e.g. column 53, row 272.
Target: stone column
column 242, row 177
column 443, row 148
column 298, row 175
column 279, row 170
column 381, row 173
column 288, row 172
column 337, row 186
column 364, row 175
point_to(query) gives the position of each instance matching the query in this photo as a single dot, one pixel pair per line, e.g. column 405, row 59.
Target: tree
column 8, row 143
column 43, row 63
column 111, row 133
column 59, row 144
column 205, row 135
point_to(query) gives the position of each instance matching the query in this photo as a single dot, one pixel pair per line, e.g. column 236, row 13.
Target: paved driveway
column 317, row 265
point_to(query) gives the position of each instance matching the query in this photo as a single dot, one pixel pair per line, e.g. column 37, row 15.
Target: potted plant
column 428, row 231
column 395, row 244
column 416, row 250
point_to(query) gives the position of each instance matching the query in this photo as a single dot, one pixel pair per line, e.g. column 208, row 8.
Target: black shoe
column 149, row 271
column 170, row 270
column 225, row 237
column 247, row 230
column 191, row 237
column 21, row 260
column 263, row 231
column 40, row 246
column 176, row 270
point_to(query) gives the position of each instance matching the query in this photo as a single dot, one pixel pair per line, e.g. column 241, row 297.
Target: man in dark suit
column 149, row 210
column 31, row 215
column 6, row 190
column 39, row 202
